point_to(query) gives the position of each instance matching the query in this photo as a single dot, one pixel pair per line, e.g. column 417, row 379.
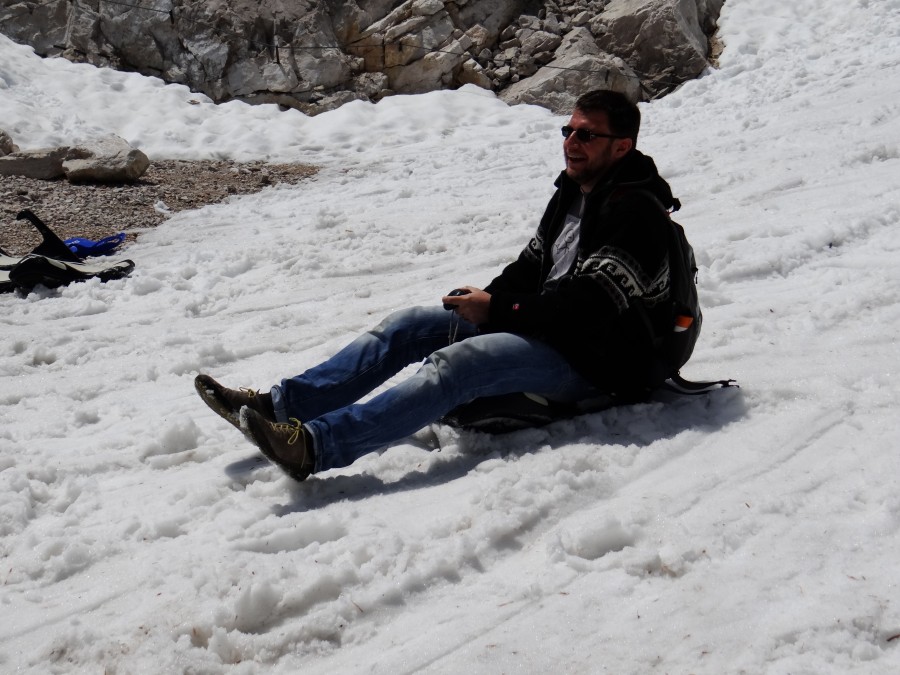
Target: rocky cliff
column 315, row 56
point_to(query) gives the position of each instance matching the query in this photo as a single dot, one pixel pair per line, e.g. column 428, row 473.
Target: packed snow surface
column 751, row 531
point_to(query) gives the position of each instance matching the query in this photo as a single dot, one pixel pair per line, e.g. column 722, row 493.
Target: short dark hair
column 623, row 115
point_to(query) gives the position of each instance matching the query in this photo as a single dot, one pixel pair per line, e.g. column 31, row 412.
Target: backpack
column 53, row 263
column 687, row 319
column 674, row 346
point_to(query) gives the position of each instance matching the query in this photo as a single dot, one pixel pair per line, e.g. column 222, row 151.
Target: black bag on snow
column 52, row 263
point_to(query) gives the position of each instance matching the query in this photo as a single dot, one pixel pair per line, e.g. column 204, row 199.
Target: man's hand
column 474, row 306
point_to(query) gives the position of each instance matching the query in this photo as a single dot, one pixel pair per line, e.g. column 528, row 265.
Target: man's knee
column 404, row 319
column 454, row 358
column 438, row 369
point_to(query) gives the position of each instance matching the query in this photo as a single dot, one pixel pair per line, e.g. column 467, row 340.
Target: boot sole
column 207, row 388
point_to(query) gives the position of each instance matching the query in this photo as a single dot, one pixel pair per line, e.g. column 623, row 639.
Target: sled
column 34, row 270
column 514, row 412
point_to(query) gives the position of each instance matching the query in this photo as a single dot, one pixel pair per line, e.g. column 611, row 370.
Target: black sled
column 514, row 412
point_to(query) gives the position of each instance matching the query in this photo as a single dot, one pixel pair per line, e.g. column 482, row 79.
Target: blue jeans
column 325, row 397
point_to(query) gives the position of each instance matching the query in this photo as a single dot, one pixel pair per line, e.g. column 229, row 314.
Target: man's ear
column 622, row 147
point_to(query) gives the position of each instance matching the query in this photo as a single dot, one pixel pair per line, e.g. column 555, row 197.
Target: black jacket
column 590, row 314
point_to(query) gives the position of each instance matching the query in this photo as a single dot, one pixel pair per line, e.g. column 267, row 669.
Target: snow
column 752, row 531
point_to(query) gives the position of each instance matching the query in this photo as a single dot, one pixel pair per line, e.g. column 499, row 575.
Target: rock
column 44, row 164
column 106, row 160
column 371, row 85
column 557, row 85
column 579, row 66
column 708, row 13
column 411, row 25
column 41, row 25
column 582, row 19
column 427, row 7
column 309, row 55
column 255, row 75
column 578, row 42
column 661, row 38
column 432, row 72
column 480, row 36
column 493, row 15
column 551, row 25
column 541, row 41
column 6, row 144
column 473, row 73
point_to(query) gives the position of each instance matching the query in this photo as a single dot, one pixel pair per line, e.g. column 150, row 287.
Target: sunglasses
column 584, row 135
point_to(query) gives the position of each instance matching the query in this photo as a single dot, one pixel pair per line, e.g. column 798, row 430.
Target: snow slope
column 753, row 531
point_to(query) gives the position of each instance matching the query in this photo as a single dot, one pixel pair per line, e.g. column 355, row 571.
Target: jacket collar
column 634, row 171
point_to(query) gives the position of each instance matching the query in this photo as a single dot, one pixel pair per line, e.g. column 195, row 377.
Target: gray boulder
column 579, row 66
column 662, row 39
column 43, row 163
column 107, row 160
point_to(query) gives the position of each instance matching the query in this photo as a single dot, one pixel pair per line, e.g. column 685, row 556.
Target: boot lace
column 293, row 424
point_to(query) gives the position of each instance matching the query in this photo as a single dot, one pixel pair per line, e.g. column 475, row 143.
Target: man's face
column 588, row 161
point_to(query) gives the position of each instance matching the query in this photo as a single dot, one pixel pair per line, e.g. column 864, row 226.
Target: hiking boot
column 227, row 403
column 286, row 444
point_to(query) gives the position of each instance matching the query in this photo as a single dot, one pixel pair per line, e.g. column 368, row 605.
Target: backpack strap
column 678, row 385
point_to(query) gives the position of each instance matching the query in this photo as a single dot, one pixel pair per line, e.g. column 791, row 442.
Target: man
column 567, row 320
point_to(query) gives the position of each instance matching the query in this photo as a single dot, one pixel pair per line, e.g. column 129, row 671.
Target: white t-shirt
column 565, row 249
